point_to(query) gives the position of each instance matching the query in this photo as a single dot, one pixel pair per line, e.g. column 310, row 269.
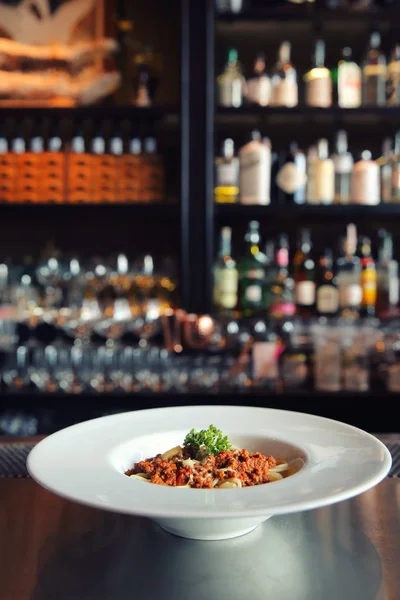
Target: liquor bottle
column 258, row 89
column 284, row 79
column 99, row 171
column 143, row 91
column 324, row 175
column 327, row 294
column 349, row 81
column 365, row 180
column 374, row 73
column 231, row 83
column 312, row 157
column 229, row 6
column 396, row 169
column 387, row 276
column 349, row 276
column 79, row 172
column 226, row 188
column 282, row 299
column 343, row 163
column 32, row 170
column 252, row 274
column 52, row 184
column 7, row 172
column 318, row 80
column 292, row 177
column 304, row 276
column 368, row 278
column 255, row 171
column 225, row 275
column 152, row 175
column 393, row 82
column 385, row 165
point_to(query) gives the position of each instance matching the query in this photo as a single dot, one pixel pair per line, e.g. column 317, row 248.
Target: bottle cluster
column 257, row 175
column 268, row 281
column 82, row 171
column 376, row 82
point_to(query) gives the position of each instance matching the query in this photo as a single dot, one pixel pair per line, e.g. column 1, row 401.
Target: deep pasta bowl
column 331, row 461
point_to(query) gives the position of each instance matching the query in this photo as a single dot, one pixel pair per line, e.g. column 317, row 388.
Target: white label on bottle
column 343, row 163
column 227, row 175
column 349, row 85
column 231, row 91
column 324, row 177
column 284, row 92
column 319, row 92
column 365, row 183
column 259, row 90
column 290, row 179
column 255, row 174
column 226, row 286
column 327, row 299
column 265, row 365
column 253, row 293
column 353, row 294
column 305, row 293
column 393, row 291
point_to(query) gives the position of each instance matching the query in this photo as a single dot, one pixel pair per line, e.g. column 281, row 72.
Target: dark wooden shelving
column 307, row 212
column 54, row 411
column 96, row 112
column 303, row 115
column 307, row 13
column 68, row 212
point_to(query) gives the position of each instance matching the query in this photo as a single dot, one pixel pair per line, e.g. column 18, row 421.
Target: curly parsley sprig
column 207, row 441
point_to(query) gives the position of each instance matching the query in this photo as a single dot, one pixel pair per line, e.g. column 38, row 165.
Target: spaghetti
column 190, row 466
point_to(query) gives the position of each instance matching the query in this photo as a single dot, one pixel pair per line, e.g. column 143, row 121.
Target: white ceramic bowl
column 86, row 463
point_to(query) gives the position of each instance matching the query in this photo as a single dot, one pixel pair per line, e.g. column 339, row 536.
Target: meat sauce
column 252, row 468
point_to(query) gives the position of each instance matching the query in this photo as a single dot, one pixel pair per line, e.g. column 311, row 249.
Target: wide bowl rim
column 41, row 469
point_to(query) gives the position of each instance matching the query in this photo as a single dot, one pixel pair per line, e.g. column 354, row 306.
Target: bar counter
column 53, row 549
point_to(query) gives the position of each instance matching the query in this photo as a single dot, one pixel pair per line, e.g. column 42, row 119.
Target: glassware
column 231, row 83
column 327, row 357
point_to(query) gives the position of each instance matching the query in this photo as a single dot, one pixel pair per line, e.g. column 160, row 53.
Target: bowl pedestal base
column 210, row 529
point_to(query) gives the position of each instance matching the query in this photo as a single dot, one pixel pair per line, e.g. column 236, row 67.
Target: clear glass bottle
column 312, row 157
column 349, row 275
column 282, row 298
column 255, row 171
column 284, row 79
column 304, row 275
column 396, row 169
column 374, row 73
column 291, row 178
column 349, row 81
column 226, row 189
column 327, row 294
column 387, row 276
column 225, row 275
column 343, row 162
column 258, row 89
column 385, row 165
column 318, row 80
column 324, row 175
column 365, row 180
column 393, row 83
column 231, row 83
column 252, row 274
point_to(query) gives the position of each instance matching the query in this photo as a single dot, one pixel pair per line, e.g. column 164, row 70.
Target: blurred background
column 199, row 204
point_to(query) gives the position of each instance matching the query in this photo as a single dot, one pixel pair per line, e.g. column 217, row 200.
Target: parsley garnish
column 207, row 441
